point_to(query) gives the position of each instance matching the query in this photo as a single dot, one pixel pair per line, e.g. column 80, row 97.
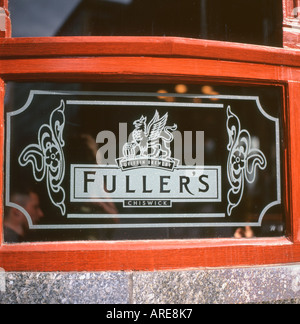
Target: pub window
column 164, row 161
column 164, row 141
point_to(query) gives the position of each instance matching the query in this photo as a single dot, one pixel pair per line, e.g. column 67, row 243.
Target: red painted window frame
column 154, row 59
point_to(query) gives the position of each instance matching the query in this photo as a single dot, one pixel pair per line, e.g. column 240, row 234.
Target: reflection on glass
column 255, row 21
column 15, row 222
column 142, row 161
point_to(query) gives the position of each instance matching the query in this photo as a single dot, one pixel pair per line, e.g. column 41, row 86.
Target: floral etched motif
column 52, row 157
column 243, row 160
column 47, row 157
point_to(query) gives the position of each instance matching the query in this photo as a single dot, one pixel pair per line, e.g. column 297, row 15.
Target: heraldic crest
column 150, row 144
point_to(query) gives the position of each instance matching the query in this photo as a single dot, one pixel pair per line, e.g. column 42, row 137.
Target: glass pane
column 246, row 21
column 142, row 161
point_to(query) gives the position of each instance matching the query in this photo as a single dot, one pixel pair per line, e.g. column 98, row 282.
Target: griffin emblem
column 150, row 140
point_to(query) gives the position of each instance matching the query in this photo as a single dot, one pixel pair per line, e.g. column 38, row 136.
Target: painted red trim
column 91, row 256
column 2, row 93
column 7, row 32
column 142, row 68
column 4, row 4
column 145, row 46
column 294, row 157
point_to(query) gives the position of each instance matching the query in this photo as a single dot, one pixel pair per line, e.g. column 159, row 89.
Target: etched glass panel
column 142, row 161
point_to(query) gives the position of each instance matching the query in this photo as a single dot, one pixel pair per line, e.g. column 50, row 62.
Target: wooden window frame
column 130, row 59
column 154, row 59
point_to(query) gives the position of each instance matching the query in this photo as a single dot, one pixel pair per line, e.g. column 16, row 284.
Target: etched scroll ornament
column 243, row 160
column 47, row 157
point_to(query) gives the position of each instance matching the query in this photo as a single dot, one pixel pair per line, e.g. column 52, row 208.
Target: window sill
column 147, row 255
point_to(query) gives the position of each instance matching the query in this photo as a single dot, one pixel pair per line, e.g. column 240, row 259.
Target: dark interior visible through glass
column 244, row 21
column 72, row 174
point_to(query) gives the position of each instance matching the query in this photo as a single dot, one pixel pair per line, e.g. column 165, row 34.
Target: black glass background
column 83, row 123
column 244, row 21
